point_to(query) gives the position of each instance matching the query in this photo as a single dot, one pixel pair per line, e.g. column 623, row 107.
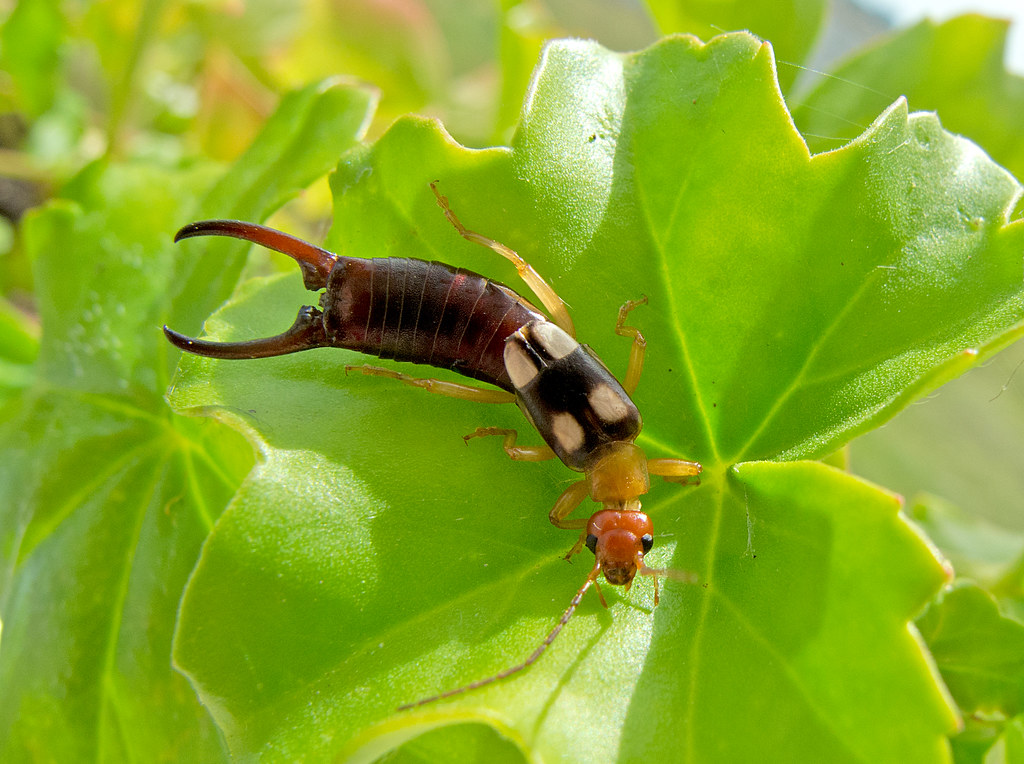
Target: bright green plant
column 370, row 558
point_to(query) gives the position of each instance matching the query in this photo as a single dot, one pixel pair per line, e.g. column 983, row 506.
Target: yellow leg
column 578, row 546
column 571, row 498
column 519, row 453
column 548, row 297
column 636, row 352
column 439, row 386
column 673, row 470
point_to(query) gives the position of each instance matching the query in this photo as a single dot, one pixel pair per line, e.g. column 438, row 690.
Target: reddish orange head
column 619, row 541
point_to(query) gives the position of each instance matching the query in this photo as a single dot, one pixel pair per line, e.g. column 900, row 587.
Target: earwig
column 451, row 318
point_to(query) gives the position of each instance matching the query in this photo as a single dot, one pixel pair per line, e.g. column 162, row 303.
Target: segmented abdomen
column 424, row 312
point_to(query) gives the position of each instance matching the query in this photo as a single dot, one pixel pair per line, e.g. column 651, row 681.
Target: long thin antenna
column 678, row 575
column 591, row 579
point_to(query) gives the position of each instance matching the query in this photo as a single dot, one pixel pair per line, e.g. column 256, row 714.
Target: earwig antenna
column 684, row 576
column 677, row 575
column 591, row 579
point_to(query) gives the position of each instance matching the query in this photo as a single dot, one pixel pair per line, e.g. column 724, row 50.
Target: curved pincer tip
column 200, row 228
column 179, row 340
column 305, row 334
column 316, row 263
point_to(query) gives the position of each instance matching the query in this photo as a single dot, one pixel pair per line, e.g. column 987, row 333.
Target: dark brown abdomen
column 424, row 312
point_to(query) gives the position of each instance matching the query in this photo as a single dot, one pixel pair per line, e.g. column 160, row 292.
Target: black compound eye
column 592, row 543
column 647, row 541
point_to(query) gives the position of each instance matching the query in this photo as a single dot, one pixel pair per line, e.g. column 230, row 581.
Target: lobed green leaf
column 105, row 496
column 794, row 301
column 791, row 27
column 979, row 651
column 954, row 67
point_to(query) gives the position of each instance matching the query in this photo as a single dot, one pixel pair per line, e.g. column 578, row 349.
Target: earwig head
column 619, row 541
column 617, row 474
column 620, row 534
column 307, row 332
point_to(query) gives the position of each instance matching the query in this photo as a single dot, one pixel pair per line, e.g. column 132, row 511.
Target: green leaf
column 101, row 507
column 465, row 742
column 977, row 549
column 984, row 741
column 791, row 27
column 990, row 742
column 927, row 449
column 954, row 67
column 372, row 558
column 31, row 38
column 1013, row 740
column 105, row 496
column 19, row 346
column 975, row 634
column 979, row 651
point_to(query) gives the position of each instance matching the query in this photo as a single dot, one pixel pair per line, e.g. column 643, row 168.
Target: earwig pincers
column 451, row 318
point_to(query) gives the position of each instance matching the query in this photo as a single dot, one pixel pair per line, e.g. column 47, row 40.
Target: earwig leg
column 519, row 453
column 578, row 546
column 571, row 498
column 639, row 348
column 674, row 470
column 438, row 386
column 682, row 479
column 548, row 297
